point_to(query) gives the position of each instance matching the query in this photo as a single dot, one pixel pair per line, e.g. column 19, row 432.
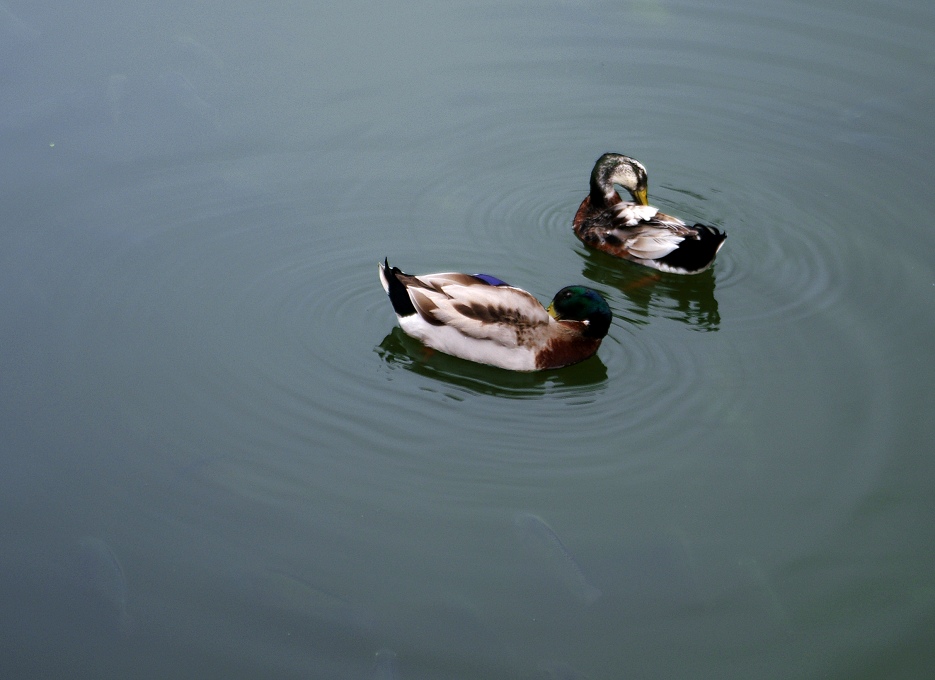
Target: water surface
column 201, row 378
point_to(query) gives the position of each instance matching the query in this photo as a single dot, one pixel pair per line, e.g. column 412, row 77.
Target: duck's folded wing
column 443, row 279
column 647, row 233
column 651, row 242
column 503, row 314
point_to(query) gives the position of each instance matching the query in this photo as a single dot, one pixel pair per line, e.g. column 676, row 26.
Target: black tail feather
column 399, row 297
column 694, row 255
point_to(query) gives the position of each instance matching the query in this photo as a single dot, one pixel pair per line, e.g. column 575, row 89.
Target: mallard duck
column 481, row 318
column 635, row 230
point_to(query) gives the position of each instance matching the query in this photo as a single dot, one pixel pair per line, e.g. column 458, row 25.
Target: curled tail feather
column 399, row 296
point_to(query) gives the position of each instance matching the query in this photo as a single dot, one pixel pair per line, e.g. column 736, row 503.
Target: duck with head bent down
column 482, row 319
column 636, row 231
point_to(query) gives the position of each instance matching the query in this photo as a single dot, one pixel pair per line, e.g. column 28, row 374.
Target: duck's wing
column 439, row 281
column 506, row 315
column 399, row 285
column 647, row 233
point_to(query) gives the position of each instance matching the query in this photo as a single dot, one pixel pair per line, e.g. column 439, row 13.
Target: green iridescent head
column 580, row 303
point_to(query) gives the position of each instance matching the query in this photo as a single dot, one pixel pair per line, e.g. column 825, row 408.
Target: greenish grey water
column 201, row 377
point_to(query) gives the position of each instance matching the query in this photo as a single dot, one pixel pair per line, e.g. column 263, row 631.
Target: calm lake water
column 221, row 457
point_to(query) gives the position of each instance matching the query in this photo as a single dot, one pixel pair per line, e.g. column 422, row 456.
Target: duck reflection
column 398, row 350
column 689, row 299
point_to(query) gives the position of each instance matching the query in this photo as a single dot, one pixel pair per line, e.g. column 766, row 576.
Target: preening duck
column 636, row 231
column 483, row 319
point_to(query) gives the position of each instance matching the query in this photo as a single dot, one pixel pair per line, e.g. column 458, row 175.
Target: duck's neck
column 603, row 194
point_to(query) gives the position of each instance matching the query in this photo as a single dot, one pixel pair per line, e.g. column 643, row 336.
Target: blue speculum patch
column 492, row 280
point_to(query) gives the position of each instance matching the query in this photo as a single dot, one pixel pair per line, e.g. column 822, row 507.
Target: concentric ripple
column 281, row 322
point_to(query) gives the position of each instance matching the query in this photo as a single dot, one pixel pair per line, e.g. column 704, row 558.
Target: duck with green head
column 636, row 231
column 483, row 319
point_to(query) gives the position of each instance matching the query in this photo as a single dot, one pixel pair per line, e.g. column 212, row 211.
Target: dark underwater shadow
column 650, row 293
column 399, row 351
